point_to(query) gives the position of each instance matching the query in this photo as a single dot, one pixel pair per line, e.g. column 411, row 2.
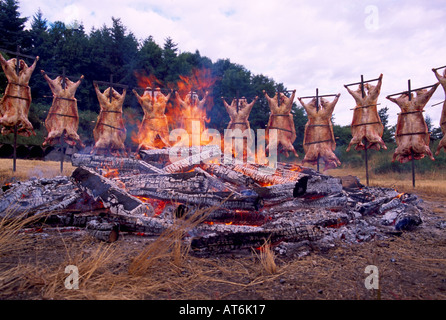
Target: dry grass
column 33, row 267
column 267, row 258
column 429, row 183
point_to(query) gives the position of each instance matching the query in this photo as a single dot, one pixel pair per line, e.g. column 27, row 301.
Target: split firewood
column 227, row 174
column 337, row 202
column 183, row 182
column 113, row 197
column 210, row 199
column 224, row 242
column 103, row 230
column 113, row 163
column 186, row 164
column 264, row 176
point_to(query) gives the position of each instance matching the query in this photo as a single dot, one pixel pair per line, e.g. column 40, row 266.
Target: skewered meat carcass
column 63, row 117
column 193, row 117
column 281, row 119
column 366, row 122
column 109, row 132
column 412, row 136
column 442, row 143
column 319, row 141
column 14, row 106
column 154, row 123
column 239, row 111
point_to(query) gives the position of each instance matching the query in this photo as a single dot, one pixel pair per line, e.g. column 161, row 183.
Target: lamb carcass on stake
column 319, row 141
column 281, row 119
column 63, row 116
column 14, row 106
column 366, row 122
column 412, row 136
column 239, row 111
column 442, row 143
column 154, row 123
column 109, row 132
column 193, row 117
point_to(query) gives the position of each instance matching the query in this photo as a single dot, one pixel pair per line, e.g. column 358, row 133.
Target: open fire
column 240, row 205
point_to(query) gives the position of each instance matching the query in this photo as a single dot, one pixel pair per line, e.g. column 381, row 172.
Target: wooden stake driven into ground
column 317, row 96
column 17, row 55
column 362, row 82
column 409, row 93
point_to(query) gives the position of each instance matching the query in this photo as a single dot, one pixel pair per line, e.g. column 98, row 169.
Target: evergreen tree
column 384, row 116
column 12, row 26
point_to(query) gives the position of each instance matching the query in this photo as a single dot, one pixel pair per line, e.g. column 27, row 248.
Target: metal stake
column 366, row 162
column 413, row 169
column 17, row 54
column 14, row 160
column 62, row 151
column 365, row 140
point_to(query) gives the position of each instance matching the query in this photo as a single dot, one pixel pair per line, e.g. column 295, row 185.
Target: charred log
column 105, row 190
column 107, row 162
column 103, row 230
column 244, row 240
column 188, row 163
column 183, row 182
column 210, row 199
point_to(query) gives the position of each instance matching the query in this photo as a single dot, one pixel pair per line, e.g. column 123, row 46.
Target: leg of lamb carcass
column 442, row 80
column 15, row 104
column 442, row 143
column 319, row 139
column 63, row 117
column 109, row 132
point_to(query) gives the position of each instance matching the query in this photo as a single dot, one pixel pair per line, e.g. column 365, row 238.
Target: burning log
column 216, row 183
column 155, row 155
column 116, row 199
column 334, row 202
column 224, row 200
column 242, row 240
column 306, row 185
column 103, row 230
column 227, row 174
column 263, row 175
column 38, row 195
column 183, row 182
column 108, row 162
column 210, row 153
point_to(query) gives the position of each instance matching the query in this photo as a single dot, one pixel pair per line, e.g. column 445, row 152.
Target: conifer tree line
column 116, row 51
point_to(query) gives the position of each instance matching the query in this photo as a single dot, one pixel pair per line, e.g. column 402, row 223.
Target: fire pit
column 238, row 205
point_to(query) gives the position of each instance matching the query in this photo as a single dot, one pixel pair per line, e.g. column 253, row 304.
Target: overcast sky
column 303, row 44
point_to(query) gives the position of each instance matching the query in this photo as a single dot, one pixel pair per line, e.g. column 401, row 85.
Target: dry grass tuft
column 169, row 245
column 267, row 258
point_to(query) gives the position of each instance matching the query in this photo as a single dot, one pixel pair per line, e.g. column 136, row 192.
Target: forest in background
column 114, row 50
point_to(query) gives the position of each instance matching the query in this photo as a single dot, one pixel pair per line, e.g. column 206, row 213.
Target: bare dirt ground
column 410, row 266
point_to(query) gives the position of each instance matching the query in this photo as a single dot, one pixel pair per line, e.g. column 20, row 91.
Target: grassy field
column 32, row 266
column 26, row 169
